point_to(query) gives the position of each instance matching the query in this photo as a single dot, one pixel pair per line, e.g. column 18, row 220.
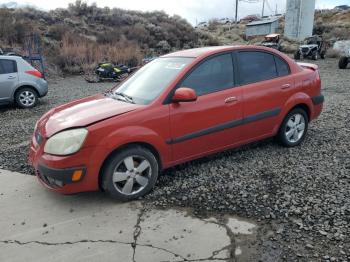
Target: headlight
column 66, row 142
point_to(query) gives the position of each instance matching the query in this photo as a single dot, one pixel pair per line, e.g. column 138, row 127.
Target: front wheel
column 343, row 62
column 294, row 128
column 130, row 173
column 297, row 55
column 315, row 55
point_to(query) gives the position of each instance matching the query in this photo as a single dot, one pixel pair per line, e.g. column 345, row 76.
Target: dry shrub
column 338, row 33
column 57, row 31
column 333, row 53
column 12, row 30
column 78, row 54
column 289, row 47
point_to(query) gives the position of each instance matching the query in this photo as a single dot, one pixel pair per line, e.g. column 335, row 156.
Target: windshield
column 152, row 79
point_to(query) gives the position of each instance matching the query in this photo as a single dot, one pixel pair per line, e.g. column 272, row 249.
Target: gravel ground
column 300, row 197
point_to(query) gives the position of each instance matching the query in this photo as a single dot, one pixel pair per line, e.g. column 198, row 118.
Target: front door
column 212, row 122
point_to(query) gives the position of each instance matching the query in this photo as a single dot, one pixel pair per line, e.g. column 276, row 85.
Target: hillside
column 332, row 24
column 76, row 38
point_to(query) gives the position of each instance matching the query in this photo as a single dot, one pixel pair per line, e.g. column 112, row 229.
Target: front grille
column 305, row 50
column 49, row 180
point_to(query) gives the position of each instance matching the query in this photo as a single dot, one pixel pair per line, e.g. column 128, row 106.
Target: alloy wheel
column 295, row 128
column 132, row 175
column 27, row 98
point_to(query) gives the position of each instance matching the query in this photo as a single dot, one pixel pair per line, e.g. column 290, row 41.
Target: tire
column 297, row 55
column 315, row 55
column 26, row 97
column 121, row 179
column 343, row 62
column 287, row 128
column 323, row 55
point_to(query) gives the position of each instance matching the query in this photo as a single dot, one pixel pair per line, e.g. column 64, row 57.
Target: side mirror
column 184, row 94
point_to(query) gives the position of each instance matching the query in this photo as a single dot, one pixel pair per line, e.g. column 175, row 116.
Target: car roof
column 212, row 50
column 12, row 57
column 272, row 35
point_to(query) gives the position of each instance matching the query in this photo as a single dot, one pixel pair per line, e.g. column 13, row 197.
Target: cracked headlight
column 66, row 142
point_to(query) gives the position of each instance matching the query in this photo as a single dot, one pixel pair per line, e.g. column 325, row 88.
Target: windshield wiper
column 127, row 98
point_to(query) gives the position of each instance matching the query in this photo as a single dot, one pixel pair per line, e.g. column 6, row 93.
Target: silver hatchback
column 20, row 82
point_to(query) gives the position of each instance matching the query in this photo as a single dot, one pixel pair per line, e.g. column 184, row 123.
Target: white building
column 300, row 16
column 262, row 27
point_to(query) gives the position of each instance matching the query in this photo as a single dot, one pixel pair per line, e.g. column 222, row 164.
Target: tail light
column 35, row 73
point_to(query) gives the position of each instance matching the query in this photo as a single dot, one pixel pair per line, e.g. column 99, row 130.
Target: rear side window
column 256, row 66
column 213, row 75
column 7, row 66
column 282, row 67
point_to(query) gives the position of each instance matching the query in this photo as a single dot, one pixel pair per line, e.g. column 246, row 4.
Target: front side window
column 256, row 66
column 215, row 74
column 152, row 79
column 7, row 66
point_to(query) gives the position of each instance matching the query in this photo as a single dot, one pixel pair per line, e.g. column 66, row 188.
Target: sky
column 192, row 10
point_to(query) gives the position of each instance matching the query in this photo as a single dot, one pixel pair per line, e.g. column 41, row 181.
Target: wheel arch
column 19, row 88
column 146, row 145
column 303, row 106
column 300, row 100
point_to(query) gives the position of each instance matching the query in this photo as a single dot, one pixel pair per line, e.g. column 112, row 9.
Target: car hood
column 81, row 113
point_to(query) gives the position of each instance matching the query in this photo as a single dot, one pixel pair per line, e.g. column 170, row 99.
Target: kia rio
column 177, row 108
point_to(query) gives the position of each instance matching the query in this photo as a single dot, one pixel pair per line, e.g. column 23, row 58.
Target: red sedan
column 177, row 108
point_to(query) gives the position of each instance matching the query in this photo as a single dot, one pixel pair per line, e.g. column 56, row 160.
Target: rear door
column 8, row 78
column 212, row 122
column 267, row 84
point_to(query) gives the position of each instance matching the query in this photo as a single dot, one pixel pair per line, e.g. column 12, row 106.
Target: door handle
column 231, row 100
column 286, row 86
column 11, row 77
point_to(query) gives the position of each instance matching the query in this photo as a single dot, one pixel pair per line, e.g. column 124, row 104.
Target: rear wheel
column 323, row 55
column 294, row 128
column 26, row 97
column 343, row 62
column 130, row 173
column 297, row 55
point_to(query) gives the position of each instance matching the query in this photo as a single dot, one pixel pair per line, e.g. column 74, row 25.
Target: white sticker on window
column 175, row 66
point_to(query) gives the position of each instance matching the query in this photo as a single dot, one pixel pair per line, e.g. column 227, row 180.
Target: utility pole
column 263, row 9
column 236, row 17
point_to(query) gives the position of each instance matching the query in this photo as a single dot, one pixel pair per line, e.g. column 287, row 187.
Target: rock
column 309, row 246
